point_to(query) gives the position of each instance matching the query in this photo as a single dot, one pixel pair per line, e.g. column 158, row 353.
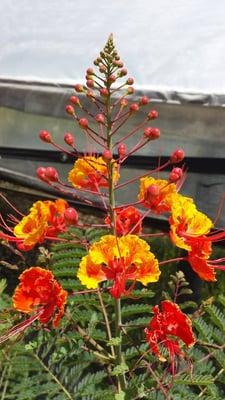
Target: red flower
column 128, row 220
column 166, row 328
column 38, row 290
column 201, row 250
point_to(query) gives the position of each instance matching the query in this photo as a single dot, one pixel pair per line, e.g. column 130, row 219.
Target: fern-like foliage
column 76, row 362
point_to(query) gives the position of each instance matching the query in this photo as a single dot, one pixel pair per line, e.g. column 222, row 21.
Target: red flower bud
column 112, row 78
column 153, row 114
column 153, row 191
column 102, row 68
column 71, row 216
column 122, row 149
column 41, row 173
column 90, row 83
column 152, row 133
column 79, row 88
column 177, row 156
column 69, row 109
column 23, row 247
column 130, row 81
column 123, row 72
column 69, row 139
column 100, row 118
column 144, row 100
column 45, row 136
column 90, row 71
column 51, row 174
column 104, row 92
column 90, row 93
column 175, row 174
column 107, row 155
column 118, row 63
column 134, row 107
column 83, row 122
column 124, row 102
column 74, row 100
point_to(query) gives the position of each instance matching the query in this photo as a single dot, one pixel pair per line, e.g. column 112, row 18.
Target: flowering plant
column 119, row 267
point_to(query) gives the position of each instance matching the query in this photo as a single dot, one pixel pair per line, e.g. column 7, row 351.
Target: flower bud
column 144, row 100
column 124, row 102
column 103, row 92
column 45, row 136
column 118, row 63
column 90, row 83
column 90, row 93
column 40, row 172
column 175, row 174
column 112, row 78
column 74, row 100
column 100, row 118
column 107, row 155
column 69, row 139
column 177, row 156
column 152, row 191
column 23, row 247
column 123, row 72
column 71, row 216
column 79, row 88
column 130, row 81
column 153, row 114
column 83, row 122
column 90, row 71
column 102, row 68
column 152, row 133
column 122, row 149
column 134, row 107
column 96, row 62
column 51, row 174
column 70, row 109
column 130, row 90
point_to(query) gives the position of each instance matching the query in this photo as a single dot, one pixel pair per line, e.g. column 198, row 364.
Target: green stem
column 118, row 322
column 54, row 378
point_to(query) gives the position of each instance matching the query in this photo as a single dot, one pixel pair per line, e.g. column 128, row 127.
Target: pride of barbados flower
column 186, row 222
column 91, row 173
column 39, row 291
column 45, row 220
column 127, row 220
column 119, row 260
column 167, row 327
column 155, row 194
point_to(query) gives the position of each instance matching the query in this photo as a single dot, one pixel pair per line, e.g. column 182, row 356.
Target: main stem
column 118, row 322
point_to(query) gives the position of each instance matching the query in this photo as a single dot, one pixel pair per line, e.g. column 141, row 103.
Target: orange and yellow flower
column 186, row 222
column 38, row 290
column 166, row 328
column 155, row 194
column 31, row 229
column 46, row 218
column 127, row 220
column 92, row 173
column 123, row 259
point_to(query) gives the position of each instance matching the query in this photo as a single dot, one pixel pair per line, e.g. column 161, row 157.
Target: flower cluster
column 122, row 257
